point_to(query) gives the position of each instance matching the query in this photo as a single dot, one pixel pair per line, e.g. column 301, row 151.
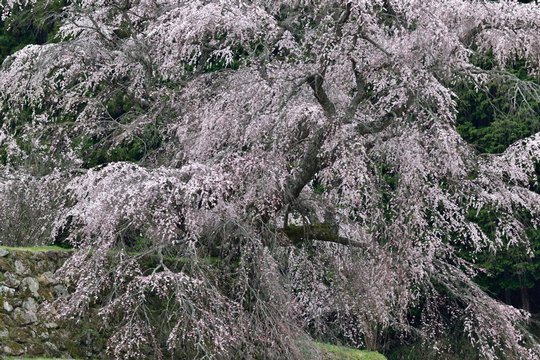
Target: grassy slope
column 34, row 248
column 330, row 352
column 39, row 358
column 334, row 352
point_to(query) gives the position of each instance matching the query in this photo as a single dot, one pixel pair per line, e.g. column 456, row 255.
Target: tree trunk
column 525, row 303
column 508, row 296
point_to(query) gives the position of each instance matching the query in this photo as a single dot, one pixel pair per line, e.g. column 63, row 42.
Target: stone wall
column 27, row 280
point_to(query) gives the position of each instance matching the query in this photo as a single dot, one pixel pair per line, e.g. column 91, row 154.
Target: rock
column 35, row 348
column 51, row 325
column 5, row 264
column 60, row 290
column 64, row 338
column 20, row 268
column 51, row 347
column 13, row 349
column 6, row 290
column 46, row 293
column 4, row 252
column 32, row 285
column 7, row 306
column 44, row 335
column 24, row 317
column 30, row 305
column 41, row 266
column 11, row 280
column 26, row 281
column 47, row 278
column 20, row 335
column 6, row 321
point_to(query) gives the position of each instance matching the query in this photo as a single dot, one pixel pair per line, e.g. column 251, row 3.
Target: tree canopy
column 240, row 176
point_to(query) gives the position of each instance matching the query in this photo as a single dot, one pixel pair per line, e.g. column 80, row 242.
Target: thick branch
column 319, row 232
column 342, row 19
column 382, row 123
column 360, row 91
column 378, row 46
column 316, row 82
column 309, row 165
column 376, row 126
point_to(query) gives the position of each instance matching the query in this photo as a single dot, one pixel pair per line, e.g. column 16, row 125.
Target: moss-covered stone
column 6, row 321
column 6, row 264
column 11, row 347
column 21, row 335
column 27, row 280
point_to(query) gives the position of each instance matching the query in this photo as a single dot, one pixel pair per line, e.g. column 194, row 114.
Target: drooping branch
column 378, row 46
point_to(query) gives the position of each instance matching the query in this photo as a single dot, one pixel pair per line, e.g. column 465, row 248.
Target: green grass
column 330, row 352
column 34, row 248
column 26, row 358
column 334, row 352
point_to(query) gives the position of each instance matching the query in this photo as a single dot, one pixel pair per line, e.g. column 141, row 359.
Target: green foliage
column 3, row 155
column 486, row 219
column 240, row 56
column 317, row 186
column 30, row 25
column 500, row 133
column 135, row 242
column 513, row 266
column 101, row 148
column 534, row 182
column 390, row 179
column 124, row 31
column 455, row 348
column 94, row 151
column 120, row 104
column 494, row 118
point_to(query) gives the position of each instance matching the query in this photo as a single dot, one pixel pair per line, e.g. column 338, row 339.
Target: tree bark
column 525, row 302
column 320, row 232
column 507, row 297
